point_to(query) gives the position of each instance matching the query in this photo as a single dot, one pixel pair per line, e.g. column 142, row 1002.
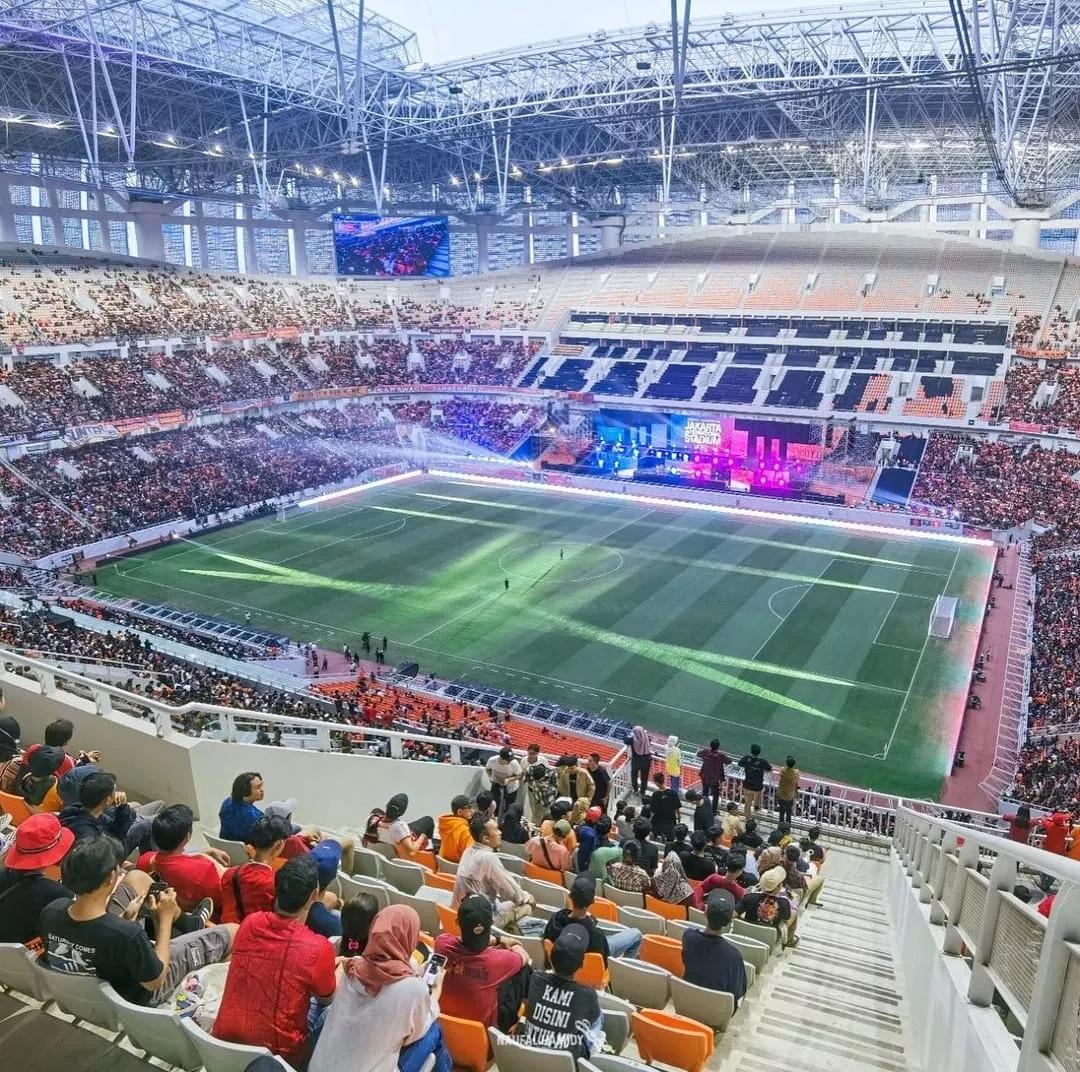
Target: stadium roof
column 198, row 91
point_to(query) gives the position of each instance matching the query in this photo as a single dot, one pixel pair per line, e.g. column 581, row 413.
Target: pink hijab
column 642, row 745
column 387, row 957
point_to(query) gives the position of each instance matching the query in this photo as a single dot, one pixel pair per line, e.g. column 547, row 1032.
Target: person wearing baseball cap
column 40, row 842
column 561, row 1014
column 770, row 906
column 587, row 838
column 550, row 850
column 454, row 836
column 709, row 959
column 487, row 977
column 324, row 916
column 38, row 785
column 505, row 773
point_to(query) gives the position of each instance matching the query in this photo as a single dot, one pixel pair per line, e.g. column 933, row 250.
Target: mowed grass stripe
column 669, row 630
column 675, row 606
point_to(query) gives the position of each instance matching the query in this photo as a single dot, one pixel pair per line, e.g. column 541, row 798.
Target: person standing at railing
column 640, row 761
column 505, row 773
column 787, row 789
column 673, row 763
column 1020, row 825
column 713, row 763
column 755, row 767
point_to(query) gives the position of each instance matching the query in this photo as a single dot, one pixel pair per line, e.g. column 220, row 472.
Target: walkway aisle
column 833, row 1004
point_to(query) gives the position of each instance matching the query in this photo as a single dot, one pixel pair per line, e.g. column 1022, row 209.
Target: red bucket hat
column 40, row 842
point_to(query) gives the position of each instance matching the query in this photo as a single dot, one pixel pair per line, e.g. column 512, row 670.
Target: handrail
column 1005, row 952
column 1048, row 863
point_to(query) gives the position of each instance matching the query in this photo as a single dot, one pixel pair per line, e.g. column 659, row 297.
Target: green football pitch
column 809, row 639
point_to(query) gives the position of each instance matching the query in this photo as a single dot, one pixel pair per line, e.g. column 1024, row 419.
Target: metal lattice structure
column 195, row 91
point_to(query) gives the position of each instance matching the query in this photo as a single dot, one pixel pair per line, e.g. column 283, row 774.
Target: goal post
column 943, row 617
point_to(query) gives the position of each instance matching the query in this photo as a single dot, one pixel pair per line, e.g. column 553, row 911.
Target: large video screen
column 367, row 245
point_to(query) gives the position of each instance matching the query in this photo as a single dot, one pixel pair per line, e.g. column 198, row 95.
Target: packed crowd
column 1048, row 774
column 46, row 396
column 55, row 304
column 122, row 486
column 149, row 672
column 1063, row 412
column 1001, row 485
column 230, row 649
column 346, row 965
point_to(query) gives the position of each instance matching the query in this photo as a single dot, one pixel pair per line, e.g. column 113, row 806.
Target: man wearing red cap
column 25, row 889
column 587, row 839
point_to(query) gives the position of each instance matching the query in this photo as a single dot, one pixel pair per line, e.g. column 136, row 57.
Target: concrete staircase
column 832, row 1004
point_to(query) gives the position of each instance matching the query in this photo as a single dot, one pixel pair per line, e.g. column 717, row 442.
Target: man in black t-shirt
column 665, row 806
column 601, row 781
column 754, row 770
column 561, row 1014
column 697, row 863
column 709, row 959
column 81, row 937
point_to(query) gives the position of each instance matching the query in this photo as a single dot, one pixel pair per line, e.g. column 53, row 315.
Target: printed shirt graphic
column 562, row 1015
column 112, row 949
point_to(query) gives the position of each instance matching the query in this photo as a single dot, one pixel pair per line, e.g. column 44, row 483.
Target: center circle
column 580, row 562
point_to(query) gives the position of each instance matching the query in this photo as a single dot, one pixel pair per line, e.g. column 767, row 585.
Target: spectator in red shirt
column 282, row 975
column 195, row 876
column 250, row 887
column 1055, row 830
column 729, row 881
column 1019, row 824
column 487, row 978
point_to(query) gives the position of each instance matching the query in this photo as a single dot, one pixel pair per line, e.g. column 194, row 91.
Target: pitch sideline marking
column 884, row 753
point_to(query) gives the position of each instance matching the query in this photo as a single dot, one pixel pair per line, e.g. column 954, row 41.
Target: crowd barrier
column 992, row 985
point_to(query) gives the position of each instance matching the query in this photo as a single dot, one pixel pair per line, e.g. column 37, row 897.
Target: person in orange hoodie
column 1055, row 830
column 454, row 836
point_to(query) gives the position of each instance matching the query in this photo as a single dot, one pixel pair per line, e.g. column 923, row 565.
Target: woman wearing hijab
column 384, row 1017
column 391, row 828
column 670, row 882
column 640, row 761
column 513, row 829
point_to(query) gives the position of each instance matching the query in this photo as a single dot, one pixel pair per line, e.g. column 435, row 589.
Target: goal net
column 943, row 617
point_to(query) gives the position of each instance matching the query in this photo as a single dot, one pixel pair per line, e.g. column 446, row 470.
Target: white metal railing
column 1016, row 956
column 1016, row 694
column 226, row 723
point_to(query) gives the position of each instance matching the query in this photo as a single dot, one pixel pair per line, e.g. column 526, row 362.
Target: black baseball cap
column 583, row 891
column 719, row 908
column 570, row 948
column 474, row 918
column 45, row 760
